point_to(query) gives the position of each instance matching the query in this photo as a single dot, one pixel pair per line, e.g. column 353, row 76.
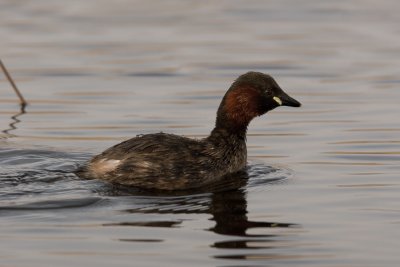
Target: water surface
column 321, row 188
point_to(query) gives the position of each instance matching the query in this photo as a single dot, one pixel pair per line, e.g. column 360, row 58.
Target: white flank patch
column 105, row 165
column 111, row 163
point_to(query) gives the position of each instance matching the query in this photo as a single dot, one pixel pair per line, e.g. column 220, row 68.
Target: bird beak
column 286, row 100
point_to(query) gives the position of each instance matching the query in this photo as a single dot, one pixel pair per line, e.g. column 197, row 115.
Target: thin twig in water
column 14, row 86
column 15, row 121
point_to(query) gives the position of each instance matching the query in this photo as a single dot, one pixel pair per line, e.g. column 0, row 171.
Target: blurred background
column 98, row 72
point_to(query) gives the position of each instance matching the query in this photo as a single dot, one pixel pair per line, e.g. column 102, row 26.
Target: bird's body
column 172, row 162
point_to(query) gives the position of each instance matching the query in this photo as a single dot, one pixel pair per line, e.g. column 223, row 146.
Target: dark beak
column 286, row 100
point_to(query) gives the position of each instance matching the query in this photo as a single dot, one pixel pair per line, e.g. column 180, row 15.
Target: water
column 322, row 186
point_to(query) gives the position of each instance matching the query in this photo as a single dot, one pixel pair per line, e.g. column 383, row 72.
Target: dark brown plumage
column 171, row 162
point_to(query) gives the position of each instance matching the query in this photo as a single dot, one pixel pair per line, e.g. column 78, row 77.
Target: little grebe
column 170, row 162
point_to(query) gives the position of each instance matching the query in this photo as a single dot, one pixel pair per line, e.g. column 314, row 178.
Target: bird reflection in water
column 229, row 211
column 226, row 202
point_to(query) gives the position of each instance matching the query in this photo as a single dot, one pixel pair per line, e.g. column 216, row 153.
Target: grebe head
column 252, row 94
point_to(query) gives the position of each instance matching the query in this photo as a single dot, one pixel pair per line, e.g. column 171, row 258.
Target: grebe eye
column 268, row 92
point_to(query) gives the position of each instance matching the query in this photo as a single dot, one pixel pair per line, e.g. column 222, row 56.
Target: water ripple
column 40, row 179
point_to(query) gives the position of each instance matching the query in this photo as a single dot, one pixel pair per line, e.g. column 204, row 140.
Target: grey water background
column 322, row 186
